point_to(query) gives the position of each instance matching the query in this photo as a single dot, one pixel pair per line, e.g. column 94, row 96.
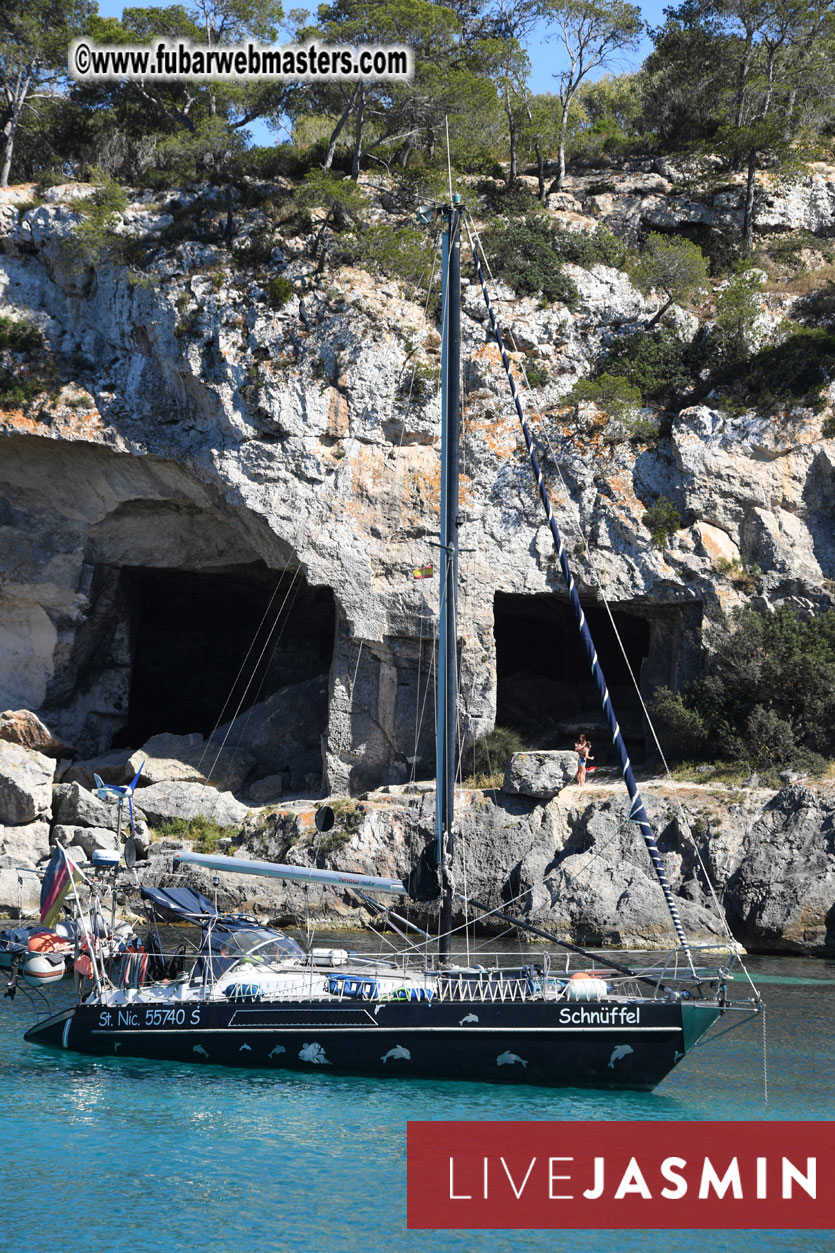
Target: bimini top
column 188, row 905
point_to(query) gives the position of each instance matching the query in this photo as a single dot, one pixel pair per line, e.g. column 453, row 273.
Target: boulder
column 27, row 845
column 266, row 791
column 20, row 890
column 186, row 800
column 86, row 838
column 21, row 726
column 540, row 774
column 25, row 784
column 189, row 759
column 110, row 767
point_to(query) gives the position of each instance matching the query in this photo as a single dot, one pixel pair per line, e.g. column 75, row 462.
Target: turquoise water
column 114, row 1156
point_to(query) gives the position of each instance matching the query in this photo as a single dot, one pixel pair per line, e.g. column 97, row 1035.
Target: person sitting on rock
column 583, row 750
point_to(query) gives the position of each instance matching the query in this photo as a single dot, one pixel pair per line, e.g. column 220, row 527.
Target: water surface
column 116, row 1155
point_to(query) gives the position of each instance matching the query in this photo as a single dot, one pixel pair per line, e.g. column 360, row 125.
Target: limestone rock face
column 230, row 436
column 25, row 784
column 542, row 775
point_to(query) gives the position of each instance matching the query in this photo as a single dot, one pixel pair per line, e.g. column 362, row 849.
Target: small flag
column 424, row 572
column 61, row 873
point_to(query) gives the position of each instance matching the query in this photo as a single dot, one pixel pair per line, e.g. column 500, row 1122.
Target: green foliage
column 18, row 387
column 204, row 831
column 486, row 759
column 768, row 697
column 402, row 252
column 517, row 200
column 662, row 520
column 18, row 335
column 525, row 253
column 279, row 291
column 95, row 240
column 659, row 364
column 536, row 372
column 738, row 306
column 421, row 381
column 671, row 264
column 612, row 393
column 794, row 371
column 16, row 391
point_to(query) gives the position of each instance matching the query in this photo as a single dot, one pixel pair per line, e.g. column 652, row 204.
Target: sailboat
column 246, row 999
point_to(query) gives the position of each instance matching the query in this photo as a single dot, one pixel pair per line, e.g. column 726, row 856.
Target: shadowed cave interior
column 201, row 643
column 544, row 688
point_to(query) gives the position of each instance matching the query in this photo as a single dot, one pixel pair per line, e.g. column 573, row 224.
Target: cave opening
column 545, row 691
column 204, row 643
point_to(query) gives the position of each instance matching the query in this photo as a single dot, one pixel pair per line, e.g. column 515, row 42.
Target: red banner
column 621, row 1175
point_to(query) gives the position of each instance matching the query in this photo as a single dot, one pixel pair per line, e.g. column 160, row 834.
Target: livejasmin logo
column 633, row 1181
column 621, row 1175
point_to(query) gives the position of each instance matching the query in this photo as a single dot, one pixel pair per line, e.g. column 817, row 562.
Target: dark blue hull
column 602, row 1044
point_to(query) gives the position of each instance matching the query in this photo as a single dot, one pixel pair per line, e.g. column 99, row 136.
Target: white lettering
column 730, row 1179
column 762, row 1190
column 591, row 1194
column 518, row 1193
column 452, row 1195
column 808, row 1182
column 667, row 1172
column 633, row 1181
column 557, row 1196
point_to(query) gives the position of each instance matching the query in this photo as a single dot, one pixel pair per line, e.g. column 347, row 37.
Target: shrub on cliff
column 484, row 762
column 768, row 697
column 660, row 364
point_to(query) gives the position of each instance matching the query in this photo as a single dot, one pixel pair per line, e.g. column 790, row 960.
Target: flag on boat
column 423, row 572
column 61, row 873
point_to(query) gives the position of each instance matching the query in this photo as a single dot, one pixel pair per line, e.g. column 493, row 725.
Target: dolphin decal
column 618, row 1053
column 468, row 1018
column 245, row 1046
column 279, row 1048
column 509, row 1059
column 397, row 1051
column 198, row 1048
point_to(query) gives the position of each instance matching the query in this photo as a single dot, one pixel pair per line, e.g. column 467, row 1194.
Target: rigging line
column 448, row 157
column 241, row 667
column 640, row 815
column 251, row 679
column 602, row 594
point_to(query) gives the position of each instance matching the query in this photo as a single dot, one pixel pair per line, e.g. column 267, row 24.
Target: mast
column 447, row 671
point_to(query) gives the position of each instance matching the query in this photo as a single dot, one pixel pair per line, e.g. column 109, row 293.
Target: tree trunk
column 659, row 315
column 558, row 181
column 337, row 130
column 228, row 230
column 748, row 215
column 513, row 171
column 355, row 159
column 10, row 129
column 540, row 170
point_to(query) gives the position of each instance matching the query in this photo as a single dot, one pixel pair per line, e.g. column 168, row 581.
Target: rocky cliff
column 217, row 499
column 203, row 460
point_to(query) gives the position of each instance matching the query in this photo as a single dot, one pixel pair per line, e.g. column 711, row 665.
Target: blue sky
column 544, row 57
